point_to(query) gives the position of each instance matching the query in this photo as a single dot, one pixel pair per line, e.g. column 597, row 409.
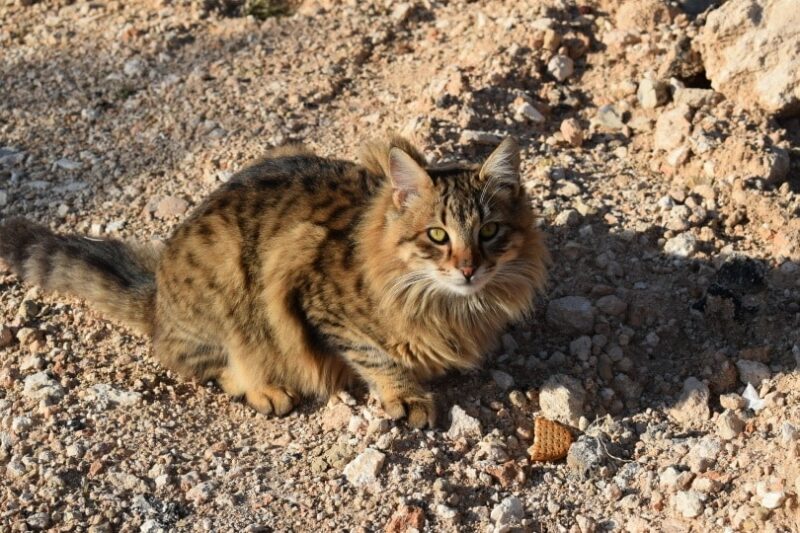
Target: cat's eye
column 437, row 235
column 489, row 230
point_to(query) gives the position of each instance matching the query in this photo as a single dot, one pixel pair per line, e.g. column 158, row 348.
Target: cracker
column 551, row 440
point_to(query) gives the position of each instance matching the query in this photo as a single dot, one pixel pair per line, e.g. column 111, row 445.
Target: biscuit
column 551, row 440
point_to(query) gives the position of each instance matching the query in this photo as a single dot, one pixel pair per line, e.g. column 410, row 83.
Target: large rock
column 750, row 51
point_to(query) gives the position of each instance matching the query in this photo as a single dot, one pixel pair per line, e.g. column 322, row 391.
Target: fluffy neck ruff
column 434, row 329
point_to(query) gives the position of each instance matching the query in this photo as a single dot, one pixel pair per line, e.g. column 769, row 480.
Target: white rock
column 479, row 137
column 40, row 385
column 691, row 409
column 561, row 67
column 363, row 470
column 581, row 347
column 508, row 511
column 68, row 164
column 574, row 314
column 651, row 93
column 104, row 395
column 752, row 372
column 773, row 500
column 463, row 425
column 445, row 512
column 151, row 526
column 672, row 128
column 789, row 433
column 133, row 67
column 3, row 197
column 689, row 503
column 525, row 111
column 682, row 245
column 561, row 398
column 669, row 477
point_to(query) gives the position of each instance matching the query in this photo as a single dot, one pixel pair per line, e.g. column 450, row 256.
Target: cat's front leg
column 400, row 393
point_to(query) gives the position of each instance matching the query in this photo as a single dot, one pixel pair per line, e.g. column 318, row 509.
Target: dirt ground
column 670, row 212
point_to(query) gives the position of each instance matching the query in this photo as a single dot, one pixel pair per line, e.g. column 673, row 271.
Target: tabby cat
column 301, row 273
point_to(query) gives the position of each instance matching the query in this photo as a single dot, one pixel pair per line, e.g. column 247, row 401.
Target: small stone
column 574, row 314
column 446, row 512
column 729, row 425
column 773, row 500
column 201, row 493
column 3, row 197
column 463, row 425
column 378, row 426
column 479, row 137
column 581, row 347
column 752, row 372
column 703, row 455
column 569, row 218
column 41, row 385
column 561, row 399
column 789, row 433
column 133, row 67
column 561, row 67
column 28, row 310
column 586, row 524
column 524, row 110
column 689, row 503
column 336, row 417
column 6, row 337
column 691, row 409
column 611, row 305
column 672, row 128
column 572, row 132
column 406, row 519
column 732, row 401
column 668, row 478
column 682, row 245
column 652, row 93
column 104, row 395
column 706, row 485
column 401, row 11
column 21, row 424
column 609, row 118
column 502, row 379
column 363, row 470
column 67, row 164
column 508, row 511
column 126, row 481
column 38, row 521
column 171, row 207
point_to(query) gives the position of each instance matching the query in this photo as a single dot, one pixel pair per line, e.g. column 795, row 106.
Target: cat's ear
column 502, row 165
column 408, row 178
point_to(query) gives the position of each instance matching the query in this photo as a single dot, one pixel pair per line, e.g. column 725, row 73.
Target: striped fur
column 303, row 273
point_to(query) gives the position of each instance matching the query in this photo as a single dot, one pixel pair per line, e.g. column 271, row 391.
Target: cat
column 302, row 273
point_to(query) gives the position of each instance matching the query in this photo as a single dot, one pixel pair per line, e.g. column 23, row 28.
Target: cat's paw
column 271, row 399
column 418, row 409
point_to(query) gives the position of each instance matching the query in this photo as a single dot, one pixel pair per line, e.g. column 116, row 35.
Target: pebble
column 569, row 218
column 672, row 128
column 561, row 399
column 364, row 469
column 104, row 395
column 503, row 380
column 608, row 117
column 652, row 93
column 406, row 519
column 561, row 67
column 773, row 500
column 171, row 207
column 446, row 512
column 508, row 511
column 789, row 433
column 3, row 197
column 41, row 385
column 689, row 503
column 525, row 111
column 38, row 521
column 133, row 67
column 682, row 245
column 201, row 492
column 611, row 305
column 28, row 310
column 337, row 416
column 462, row 425
column 752, row 372
column 572, row 132
column 6, row 336
column 581, row 347
column 573, row 314
column 703, row 455
column 729, row 425
column 691, row 409
column 378, row 426
column 479, row 137
column 68, row 164
column 732, row 401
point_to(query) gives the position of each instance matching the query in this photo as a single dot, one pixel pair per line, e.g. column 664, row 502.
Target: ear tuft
column 408, row 178
column 503, row 163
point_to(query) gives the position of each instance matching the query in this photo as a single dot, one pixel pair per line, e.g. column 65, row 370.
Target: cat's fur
column 302, row 272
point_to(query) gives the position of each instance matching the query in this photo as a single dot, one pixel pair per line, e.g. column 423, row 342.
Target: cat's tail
column 116, row 277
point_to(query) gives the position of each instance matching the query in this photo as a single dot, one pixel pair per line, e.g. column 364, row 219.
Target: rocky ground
column 662, row 149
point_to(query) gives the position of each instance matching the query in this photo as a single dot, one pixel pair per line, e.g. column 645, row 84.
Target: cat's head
column 459, row 228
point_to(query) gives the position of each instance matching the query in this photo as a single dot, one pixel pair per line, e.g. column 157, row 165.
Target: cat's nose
column 468, row 272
